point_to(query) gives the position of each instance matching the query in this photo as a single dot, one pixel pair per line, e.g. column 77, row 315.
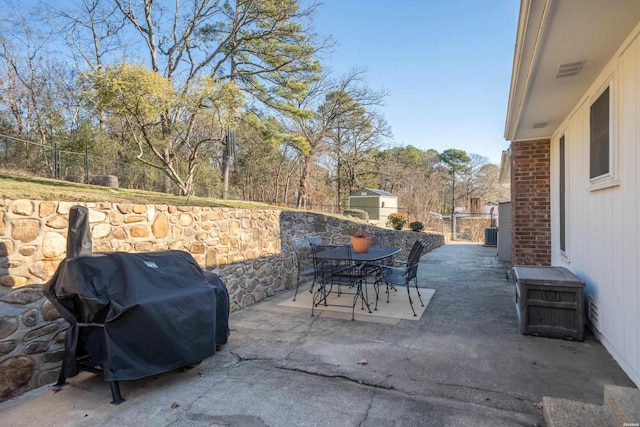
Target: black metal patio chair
column 342, row 277
column 302, row 252
column 402, row 273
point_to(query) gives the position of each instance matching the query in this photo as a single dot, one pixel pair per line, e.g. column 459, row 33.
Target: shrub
column 397, row 220
column 416, row 226
column 358, row 213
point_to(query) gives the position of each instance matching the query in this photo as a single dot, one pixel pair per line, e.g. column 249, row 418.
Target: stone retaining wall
column 249, row 249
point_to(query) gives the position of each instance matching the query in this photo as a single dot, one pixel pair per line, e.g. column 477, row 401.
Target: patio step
column 621, row 407
column 623, row 404
column 568, row 413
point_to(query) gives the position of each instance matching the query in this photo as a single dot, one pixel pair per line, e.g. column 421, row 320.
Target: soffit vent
column 570, row 69
column 539, row 125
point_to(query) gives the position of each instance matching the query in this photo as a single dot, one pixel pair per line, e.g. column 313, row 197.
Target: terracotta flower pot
column 360, row 244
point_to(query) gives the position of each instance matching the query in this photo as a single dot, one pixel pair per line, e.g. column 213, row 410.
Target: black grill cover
column 138, row 314
column 79, row 241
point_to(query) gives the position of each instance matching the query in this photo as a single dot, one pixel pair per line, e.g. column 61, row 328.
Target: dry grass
column 14, row 186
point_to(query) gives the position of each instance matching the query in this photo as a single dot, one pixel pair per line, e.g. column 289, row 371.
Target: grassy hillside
column 27, row 187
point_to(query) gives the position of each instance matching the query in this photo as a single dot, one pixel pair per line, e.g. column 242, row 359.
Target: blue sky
column 445, row 63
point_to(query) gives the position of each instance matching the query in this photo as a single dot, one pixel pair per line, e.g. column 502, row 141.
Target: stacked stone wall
column 248, row 249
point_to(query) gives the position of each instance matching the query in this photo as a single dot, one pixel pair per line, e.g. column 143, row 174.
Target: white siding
column 603, row 226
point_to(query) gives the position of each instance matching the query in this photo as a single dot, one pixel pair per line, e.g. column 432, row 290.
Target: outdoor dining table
column 374, row 256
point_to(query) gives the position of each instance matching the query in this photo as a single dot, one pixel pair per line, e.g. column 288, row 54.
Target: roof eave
column 531, row 25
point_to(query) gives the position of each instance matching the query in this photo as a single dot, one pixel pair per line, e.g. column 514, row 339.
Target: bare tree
column 412, row 175
column 260, row 47
column 353, row 144
column 480, row 180
column 38, row 89
column 333, row 101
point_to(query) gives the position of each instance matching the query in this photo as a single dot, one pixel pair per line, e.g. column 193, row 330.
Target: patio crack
column 241, row 359
column 359, row 381
column 365, row 418
column 490, row 399
column 302, row 338
column 427, row 393
column 484, row 390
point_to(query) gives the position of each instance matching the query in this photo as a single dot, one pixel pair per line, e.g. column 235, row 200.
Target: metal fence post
column 56, row 161
column 86, row 165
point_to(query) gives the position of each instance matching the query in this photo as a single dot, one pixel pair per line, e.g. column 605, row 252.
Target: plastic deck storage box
column 549, row 302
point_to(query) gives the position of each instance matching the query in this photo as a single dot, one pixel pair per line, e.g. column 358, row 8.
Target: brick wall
column 530, row 202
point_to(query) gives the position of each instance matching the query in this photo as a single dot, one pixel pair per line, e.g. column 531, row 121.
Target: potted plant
column 397, row 220
column 360, row 241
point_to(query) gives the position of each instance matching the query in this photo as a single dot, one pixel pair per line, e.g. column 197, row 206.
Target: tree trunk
column 302, row 188
column 225, row 174
column 167, row 182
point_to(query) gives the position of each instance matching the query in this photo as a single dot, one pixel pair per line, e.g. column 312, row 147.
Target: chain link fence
column 471, row 227
column 51, row 162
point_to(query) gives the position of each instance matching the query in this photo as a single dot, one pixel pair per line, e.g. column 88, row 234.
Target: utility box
column 491, row 236
column 549, row 302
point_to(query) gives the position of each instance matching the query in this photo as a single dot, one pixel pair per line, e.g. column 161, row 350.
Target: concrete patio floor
column 463, row 363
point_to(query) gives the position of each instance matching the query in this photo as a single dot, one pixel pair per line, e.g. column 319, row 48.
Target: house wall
column 603, row 221
column 530, row 202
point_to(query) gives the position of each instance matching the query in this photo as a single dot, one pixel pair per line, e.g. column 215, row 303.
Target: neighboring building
column 573, row 121
column 377, row 203
column 478, row 207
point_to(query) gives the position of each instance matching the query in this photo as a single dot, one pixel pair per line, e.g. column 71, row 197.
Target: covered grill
column 134, row 315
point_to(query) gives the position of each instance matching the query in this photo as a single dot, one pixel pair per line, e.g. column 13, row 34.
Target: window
column 599, row 136
column 562, row 191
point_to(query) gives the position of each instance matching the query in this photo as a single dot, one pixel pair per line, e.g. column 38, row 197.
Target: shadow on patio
column 463, row 363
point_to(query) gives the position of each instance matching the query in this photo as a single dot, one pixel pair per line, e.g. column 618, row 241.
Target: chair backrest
column 300, row 245
column 424, row 243
column 342, row 267
column 303, row 252
column 323, row 267
column 417, row 245
column 315, row 240
column 349, row 260
column 315, row 249
column 414, row 257
column 317, row 246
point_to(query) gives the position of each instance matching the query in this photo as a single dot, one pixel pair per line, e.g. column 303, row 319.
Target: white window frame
column 608, row 179
column 563, row 166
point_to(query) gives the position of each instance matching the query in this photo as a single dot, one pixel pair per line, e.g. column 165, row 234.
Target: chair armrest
column 393, row 270
column 400, row 263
